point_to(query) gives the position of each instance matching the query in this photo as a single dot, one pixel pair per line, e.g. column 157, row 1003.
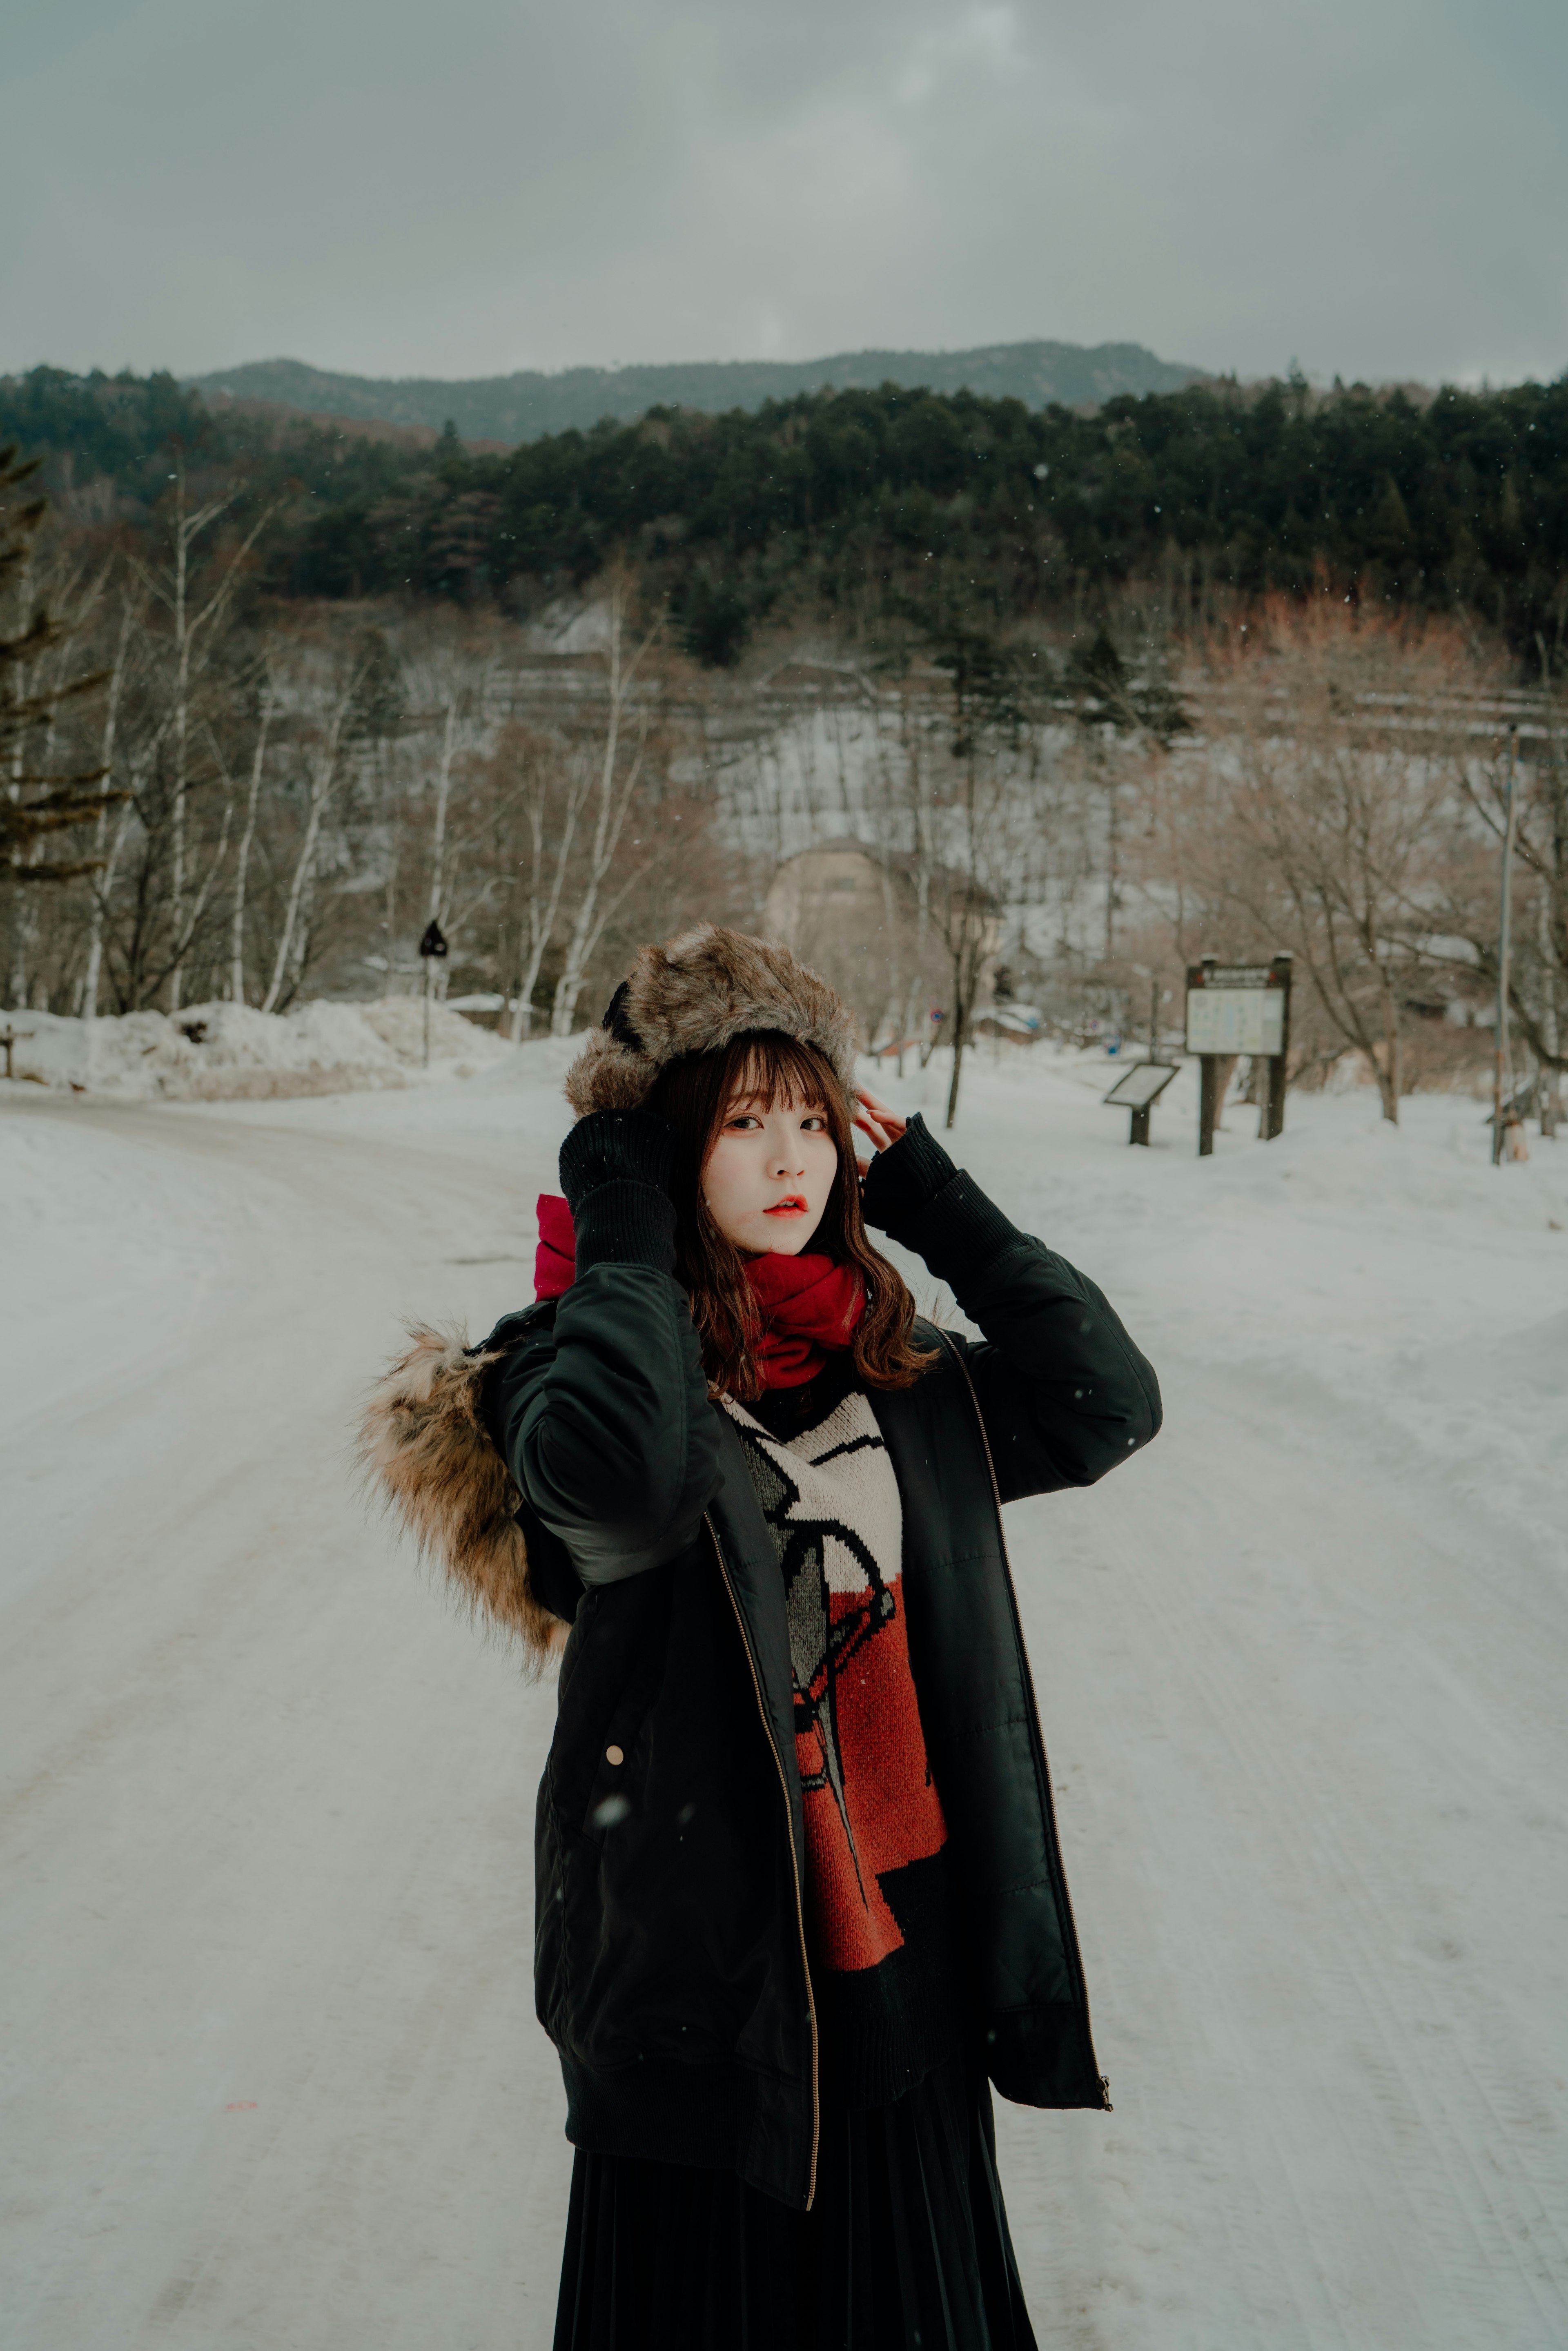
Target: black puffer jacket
column 670, row 1952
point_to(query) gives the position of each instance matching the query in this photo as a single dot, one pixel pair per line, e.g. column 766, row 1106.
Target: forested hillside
column 859, row 504
column 1059, row 676
column 513, row 408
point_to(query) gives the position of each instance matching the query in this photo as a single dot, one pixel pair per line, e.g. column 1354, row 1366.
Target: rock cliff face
column 512, row 408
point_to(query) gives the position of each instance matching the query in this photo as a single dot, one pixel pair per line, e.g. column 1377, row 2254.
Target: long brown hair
column 695, row 1094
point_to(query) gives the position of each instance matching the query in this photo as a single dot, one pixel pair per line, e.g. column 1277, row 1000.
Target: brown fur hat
column 694, row 996
column 425, row 1450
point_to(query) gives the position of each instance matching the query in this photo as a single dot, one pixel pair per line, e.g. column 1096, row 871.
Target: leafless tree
column 533, row 773
column 610, row 805
column 195, row 612
column 978, row 817
column 247, row 836
column 322, row 747
column 102, row 878
column 1341, row 791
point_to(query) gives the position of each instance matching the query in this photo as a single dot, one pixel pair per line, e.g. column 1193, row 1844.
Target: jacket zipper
column 789, row 1833
column 1034, row 1702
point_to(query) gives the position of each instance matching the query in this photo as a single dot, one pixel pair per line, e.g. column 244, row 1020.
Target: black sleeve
column 1064, row 1393
column 605, row 1420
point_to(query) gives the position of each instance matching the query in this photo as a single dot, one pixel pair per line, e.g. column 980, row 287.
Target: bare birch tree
column 242, row 863
column 102, row 882
column 553, row 789
column 611, row 806
column 322, row 761
column 193, row 621
column 987, row 729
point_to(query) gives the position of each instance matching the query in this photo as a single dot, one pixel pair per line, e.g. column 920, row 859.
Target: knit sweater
column 880, row 1906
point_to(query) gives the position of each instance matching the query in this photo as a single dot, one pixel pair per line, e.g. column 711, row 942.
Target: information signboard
column 1138, row 1088
column 1226, row 1018
column 1234, row 1008
column 1142, row 1083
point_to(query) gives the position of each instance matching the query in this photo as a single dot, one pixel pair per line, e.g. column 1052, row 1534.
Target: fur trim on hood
column 694, row 996
column 425, row 1450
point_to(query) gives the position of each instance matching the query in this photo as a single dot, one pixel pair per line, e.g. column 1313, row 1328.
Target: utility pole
column 1499, row 1074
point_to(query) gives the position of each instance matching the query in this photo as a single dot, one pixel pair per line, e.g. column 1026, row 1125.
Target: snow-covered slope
column 223, row 1052
column 270, row 2070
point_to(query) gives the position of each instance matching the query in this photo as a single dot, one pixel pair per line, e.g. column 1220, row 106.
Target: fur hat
column 694, row 996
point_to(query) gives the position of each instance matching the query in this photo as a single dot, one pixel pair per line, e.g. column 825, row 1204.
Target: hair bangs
column 768, row 1067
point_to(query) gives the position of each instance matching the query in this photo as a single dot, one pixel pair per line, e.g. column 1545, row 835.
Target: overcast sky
column 1374, row 187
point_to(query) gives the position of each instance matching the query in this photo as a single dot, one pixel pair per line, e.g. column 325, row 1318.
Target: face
column 769, row 1175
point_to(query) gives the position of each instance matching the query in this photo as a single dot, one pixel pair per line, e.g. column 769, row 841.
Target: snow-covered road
column 271, row 2077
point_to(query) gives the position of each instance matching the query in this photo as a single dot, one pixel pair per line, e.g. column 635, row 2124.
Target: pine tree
column 37, row 805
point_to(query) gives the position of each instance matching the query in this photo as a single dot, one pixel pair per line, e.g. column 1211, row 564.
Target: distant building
column 1011, row 1023
column 854, row 916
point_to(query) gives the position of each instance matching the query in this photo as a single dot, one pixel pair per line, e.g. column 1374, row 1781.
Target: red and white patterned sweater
column 880, row 1919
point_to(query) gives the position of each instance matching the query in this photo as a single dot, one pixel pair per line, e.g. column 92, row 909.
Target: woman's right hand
column 882, row 1124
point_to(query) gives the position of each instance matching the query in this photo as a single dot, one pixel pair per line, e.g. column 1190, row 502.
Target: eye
column 741, row 1122
column 815, row 1124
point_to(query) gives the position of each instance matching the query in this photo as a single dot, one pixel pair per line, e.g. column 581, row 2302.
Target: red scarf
column 555, row 1260
column 809, row 1306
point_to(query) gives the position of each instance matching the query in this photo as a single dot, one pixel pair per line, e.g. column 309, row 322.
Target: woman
column 800, row 1898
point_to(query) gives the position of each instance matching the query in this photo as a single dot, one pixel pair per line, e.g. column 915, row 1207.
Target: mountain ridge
column 527, row 404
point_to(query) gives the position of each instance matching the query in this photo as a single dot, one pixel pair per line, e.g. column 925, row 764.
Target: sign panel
column 1238, row 1008
column 1230, row 1019
column 1142, row 1083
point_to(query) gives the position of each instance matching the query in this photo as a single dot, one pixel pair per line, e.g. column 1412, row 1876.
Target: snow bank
column 229, row 1053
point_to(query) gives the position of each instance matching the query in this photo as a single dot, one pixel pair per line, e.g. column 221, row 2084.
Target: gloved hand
column 615, row 1170
column 616, row 1146
column 906, row 1177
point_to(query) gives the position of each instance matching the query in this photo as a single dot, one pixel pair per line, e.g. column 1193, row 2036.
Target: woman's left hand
column 881, row 1124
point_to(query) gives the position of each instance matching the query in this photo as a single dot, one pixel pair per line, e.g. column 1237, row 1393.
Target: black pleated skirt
column 905, row 2247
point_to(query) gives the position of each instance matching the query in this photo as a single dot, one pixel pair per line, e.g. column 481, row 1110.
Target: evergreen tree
column 39, row 805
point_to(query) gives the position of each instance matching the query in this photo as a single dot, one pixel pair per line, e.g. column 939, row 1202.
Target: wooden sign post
column 1232, row 1008
column 1138, row 1090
